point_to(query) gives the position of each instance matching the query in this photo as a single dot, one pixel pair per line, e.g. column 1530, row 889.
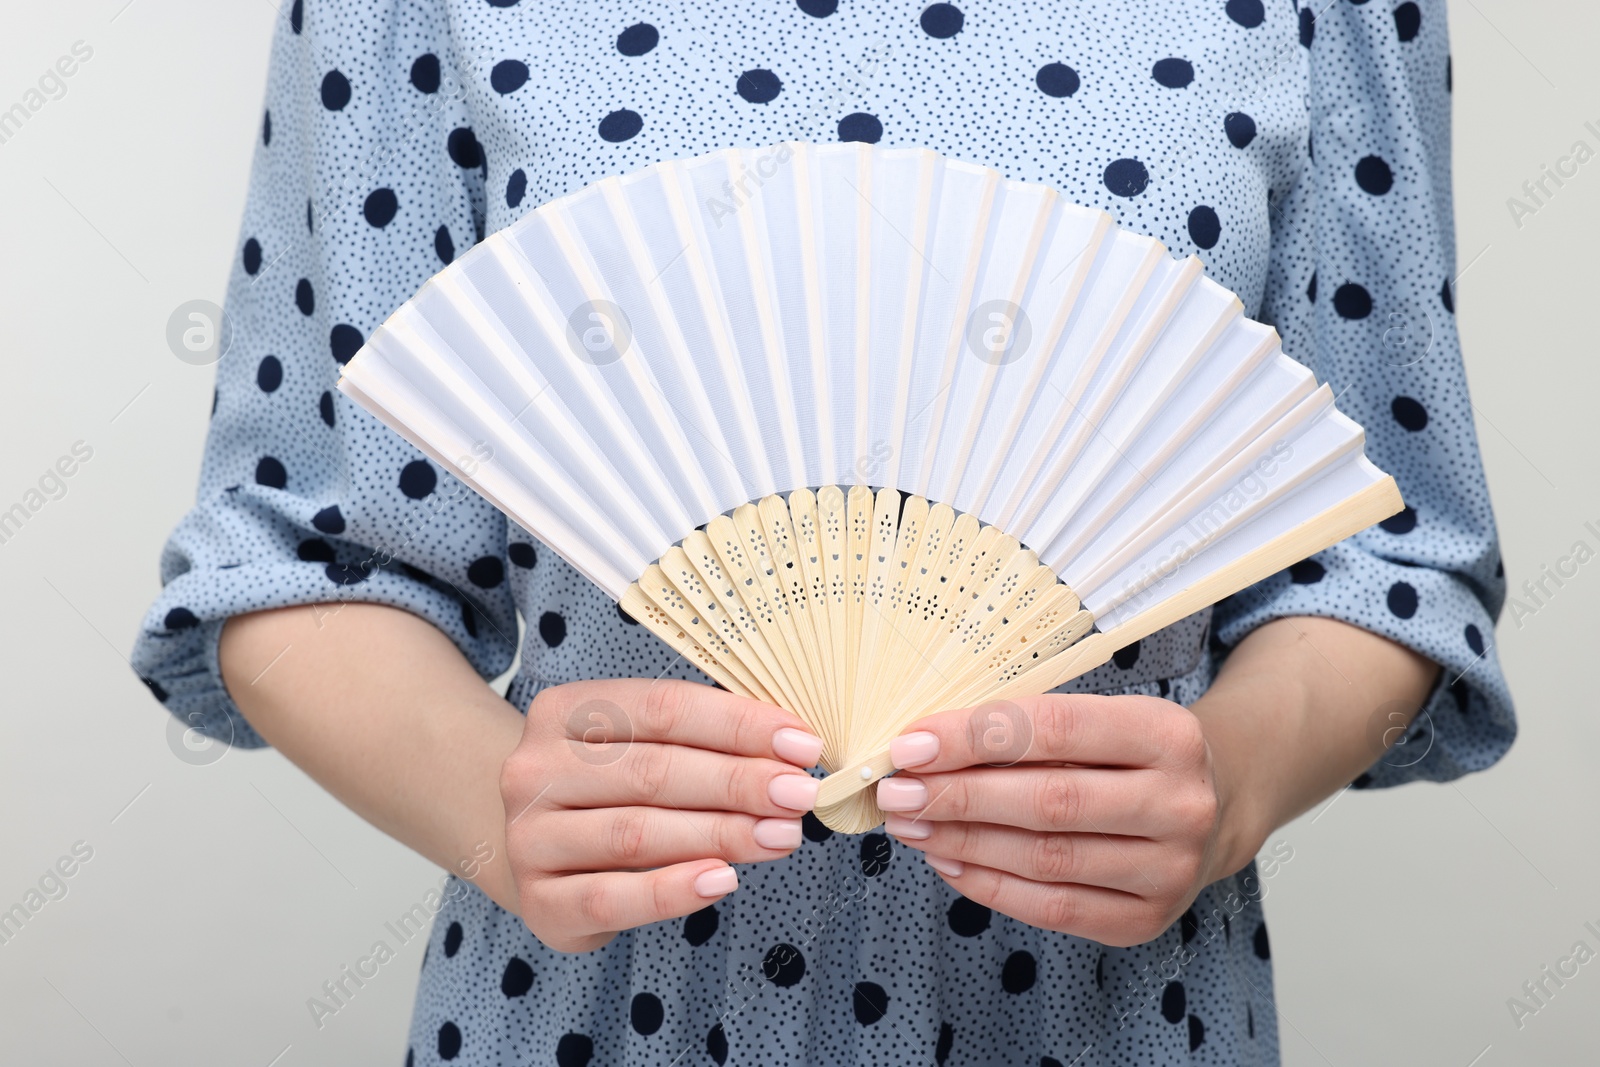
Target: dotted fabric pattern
column 1302, row 152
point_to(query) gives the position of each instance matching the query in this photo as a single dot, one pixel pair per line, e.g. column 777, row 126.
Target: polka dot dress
column 1303, row 152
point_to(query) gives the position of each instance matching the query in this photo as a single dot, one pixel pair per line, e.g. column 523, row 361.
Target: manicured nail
column 914, row 749
column 796, row 791
column 900, row 794
column 797, row 746
column 777, row 833
column 910, row 829
column 952, row 868
column 718, row 882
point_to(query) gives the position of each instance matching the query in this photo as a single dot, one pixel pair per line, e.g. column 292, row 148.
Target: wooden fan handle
column 1375, row 502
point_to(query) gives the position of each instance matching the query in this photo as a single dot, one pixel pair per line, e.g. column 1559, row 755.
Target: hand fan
column 688, row 379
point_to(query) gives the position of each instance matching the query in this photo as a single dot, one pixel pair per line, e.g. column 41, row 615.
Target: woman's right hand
column 627, row 800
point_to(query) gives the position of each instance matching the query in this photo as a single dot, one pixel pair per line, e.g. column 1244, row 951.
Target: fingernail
column 952, row 868
column 910, row 829
column 796, row 791
column 900, row 794
column 777, row 833
column 914, row 749
column 797, row 746
column 717, row 882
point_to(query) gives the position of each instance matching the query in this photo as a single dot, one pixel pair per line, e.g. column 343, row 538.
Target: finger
column 684, row 713
column 639, row 838
column 1108, row 916
column 596, row 906
column 676, row 776
column 1059, row 799
column 1122, row 731
column 1126, row 863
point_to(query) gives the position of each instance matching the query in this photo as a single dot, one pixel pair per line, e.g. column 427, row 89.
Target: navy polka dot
column 335, row 91
column 1306, row 572
column 325, row 407
column 449, row 1041
column 942, row 20
column 1205, row 229
column 759, row 86
column 574, row 1050
column 270, row 472
column 1056, row 79
column 1403, row 599
column 621, row 125
column 871, row 1002
column 819, row 9
column 860, row 127
column 637, row 39
column 269, row 374
column 443, row 246
column 1127, row 177
column 1407, row 21
column 1172, row 72
column 304, row 297
column 1352, row 301
column 464, row 148
column 699, row 926
column 1403, row 522
column 1019, row 973
column 180, row 619
column 380, row 207
column 517, row 978
column 417, row 479
column 486, row 572
column 1240, row 128
column 968, row 918
column 1409, row 413
column 1374, row 175
column 516, row 187
column 646, row 1013
column 522, row 554
column 552, row 628
column 329, row 520
column 1174, row 1002
column 344, row 341
column 252, row 256
column 1247, row 13
column 783, row 965
column 508, row 76
column 1474, row 639
column 425, row 73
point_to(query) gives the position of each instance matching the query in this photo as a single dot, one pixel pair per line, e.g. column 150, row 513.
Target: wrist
column 1251, row 725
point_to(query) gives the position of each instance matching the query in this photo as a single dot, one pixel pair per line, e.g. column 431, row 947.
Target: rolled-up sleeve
column 366, row 180
column 1361, row 288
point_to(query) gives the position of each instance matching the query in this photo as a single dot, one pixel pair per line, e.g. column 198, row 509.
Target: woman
column 1105, row 913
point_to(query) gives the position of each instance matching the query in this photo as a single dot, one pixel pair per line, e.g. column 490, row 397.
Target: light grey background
column 221, row 895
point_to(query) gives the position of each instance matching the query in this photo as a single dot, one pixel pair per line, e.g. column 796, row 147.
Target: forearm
column 1297, row 711
column 383, row 711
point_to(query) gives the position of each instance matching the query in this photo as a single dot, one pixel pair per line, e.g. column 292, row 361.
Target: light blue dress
column 1304, row 154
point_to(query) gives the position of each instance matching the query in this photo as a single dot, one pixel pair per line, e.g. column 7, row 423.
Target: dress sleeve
column 1360, row 288
column 366, row 180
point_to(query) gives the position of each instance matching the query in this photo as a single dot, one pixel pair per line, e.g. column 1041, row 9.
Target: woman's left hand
column 1098, row 816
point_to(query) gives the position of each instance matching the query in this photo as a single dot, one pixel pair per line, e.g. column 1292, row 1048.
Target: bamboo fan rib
column 869, row 433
